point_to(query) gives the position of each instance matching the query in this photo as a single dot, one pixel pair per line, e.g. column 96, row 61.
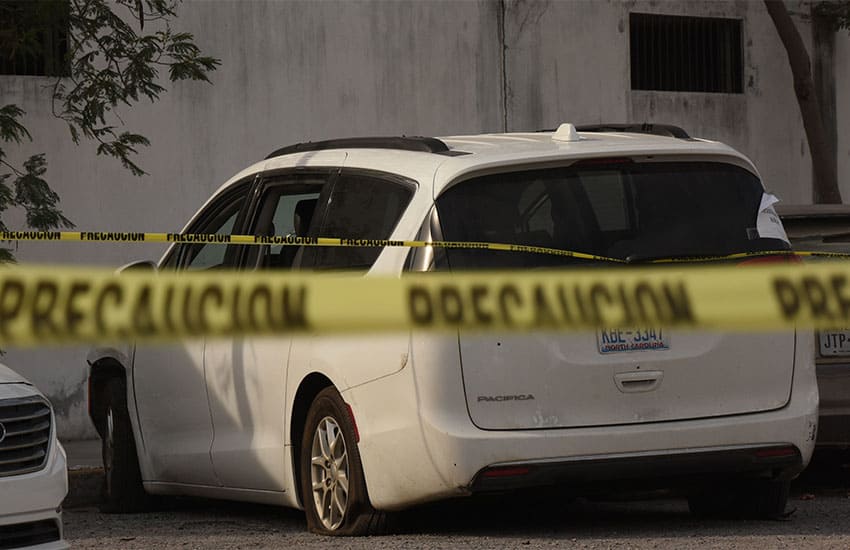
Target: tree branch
column 825, row 184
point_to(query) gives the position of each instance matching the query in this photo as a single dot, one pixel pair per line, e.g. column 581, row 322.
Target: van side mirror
column 140, row 265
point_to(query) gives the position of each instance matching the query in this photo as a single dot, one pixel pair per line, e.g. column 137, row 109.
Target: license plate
column 834, row 342
column 624, row 340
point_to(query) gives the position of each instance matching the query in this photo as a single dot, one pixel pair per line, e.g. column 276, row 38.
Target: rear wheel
column 757, row 499
column 122, row 485
column 333, row 488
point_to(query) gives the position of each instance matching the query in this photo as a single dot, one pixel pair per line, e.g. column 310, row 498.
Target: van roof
column 440, row 161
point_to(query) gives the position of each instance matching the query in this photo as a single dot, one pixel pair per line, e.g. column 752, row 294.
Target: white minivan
column 350, row 427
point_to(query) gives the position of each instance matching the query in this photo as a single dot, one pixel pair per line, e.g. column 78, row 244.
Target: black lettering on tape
column 73, row 313
column 597, row 293
column 43, row 305
column 113, row 293
column 648, row 306
column 143, row 319
column 190, row 318
column 419, row 305
column 566, row 314
column 838, row 283
column 451, row 305
column 11, row 300
column 207, row 294
column 817, row 296
column 508, row 293
column 582, row 306
column 628, row 309
column 262, row 296
column 236, row 321
column 543, row 314
column 789, row 300
column 295, row 307
column 479, row 294
column 679, row 304
column 167, row 305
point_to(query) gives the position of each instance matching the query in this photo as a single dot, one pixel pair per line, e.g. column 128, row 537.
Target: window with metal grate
column 34, row 37
column 686, row 54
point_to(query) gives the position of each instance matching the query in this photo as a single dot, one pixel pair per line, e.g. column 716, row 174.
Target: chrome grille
column 24, row 436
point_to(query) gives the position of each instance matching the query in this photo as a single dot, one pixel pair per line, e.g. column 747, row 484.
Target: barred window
column 34, row 37
column 686, row 54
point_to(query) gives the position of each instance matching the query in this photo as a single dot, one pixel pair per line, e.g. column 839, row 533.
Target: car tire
column 758, row 499
column 122, row 485
column 330, row 464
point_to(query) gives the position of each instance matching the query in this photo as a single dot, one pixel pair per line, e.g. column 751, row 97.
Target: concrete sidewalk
column 85, row 473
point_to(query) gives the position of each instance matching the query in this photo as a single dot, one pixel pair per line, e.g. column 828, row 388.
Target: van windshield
column 625, row 210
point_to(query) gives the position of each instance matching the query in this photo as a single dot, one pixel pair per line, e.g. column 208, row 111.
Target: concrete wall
column 764, row 122
column 566, row 62
column 295, row 71
column 290, row 72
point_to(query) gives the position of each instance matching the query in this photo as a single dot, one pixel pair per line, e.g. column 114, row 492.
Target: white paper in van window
column 767, row 223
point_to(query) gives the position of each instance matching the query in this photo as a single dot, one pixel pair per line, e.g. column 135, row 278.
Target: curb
column 84, row 487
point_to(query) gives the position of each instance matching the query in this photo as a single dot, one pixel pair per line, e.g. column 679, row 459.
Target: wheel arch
column 102, row 369
column 308, row 389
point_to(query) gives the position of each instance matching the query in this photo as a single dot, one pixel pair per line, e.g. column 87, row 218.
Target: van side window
column 223, row 217
column 286, row 210
column 360, row 207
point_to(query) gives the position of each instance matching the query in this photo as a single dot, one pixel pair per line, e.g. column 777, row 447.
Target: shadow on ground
column 820, row 498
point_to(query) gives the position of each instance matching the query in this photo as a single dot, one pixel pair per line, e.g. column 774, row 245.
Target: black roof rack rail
column 644, row 128
column 403, row 143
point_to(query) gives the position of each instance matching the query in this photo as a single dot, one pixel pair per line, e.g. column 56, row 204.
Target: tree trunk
column 825, row 184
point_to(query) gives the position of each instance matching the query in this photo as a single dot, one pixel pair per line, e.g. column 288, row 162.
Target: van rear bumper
column 668, row 470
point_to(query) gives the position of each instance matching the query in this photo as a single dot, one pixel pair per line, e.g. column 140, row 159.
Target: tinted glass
column 210, row 255
column 360, row 207
column 286, row 211
column 219, row 217
column 634, row 211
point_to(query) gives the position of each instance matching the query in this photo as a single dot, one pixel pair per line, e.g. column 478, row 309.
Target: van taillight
column 506, row 471
column 775, row 452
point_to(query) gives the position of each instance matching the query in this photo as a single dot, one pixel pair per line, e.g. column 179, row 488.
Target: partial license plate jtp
column 834, row 342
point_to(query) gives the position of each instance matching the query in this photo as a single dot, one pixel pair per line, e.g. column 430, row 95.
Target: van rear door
column 617, row 375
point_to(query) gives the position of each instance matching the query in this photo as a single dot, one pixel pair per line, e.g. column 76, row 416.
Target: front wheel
column 333, row 488
column 122, row 486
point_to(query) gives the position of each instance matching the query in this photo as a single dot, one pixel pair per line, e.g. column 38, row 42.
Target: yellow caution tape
column 287, row 240
column 290, row 240
column 53, row 305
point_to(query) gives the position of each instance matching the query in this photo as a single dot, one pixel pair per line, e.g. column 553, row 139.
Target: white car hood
column 8, row 376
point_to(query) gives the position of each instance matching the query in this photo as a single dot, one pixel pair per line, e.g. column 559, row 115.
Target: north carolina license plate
column 834, row 342
column 623, row 340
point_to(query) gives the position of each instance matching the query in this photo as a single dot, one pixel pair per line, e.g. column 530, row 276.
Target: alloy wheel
column 329, row 473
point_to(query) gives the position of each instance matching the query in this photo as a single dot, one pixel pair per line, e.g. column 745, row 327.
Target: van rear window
column 625, row 210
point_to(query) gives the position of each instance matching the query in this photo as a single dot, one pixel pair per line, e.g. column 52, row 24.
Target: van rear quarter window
column 360, row 207
column 629, row 211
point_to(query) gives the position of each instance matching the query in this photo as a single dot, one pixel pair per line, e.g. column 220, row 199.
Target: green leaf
column 10, row 128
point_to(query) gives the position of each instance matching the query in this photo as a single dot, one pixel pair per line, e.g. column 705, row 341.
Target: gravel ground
column 821, row 520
